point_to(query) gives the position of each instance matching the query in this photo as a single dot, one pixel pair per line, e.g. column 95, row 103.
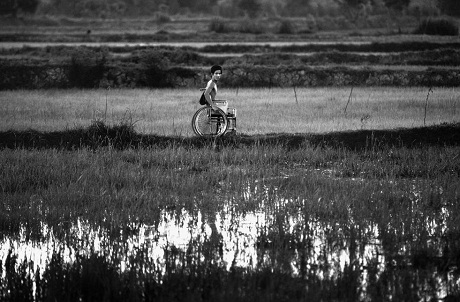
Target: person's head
column 216, row 72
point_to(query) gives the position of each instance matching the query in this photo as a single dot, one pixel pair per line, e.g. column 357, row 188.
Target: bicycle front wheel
column 209, row 122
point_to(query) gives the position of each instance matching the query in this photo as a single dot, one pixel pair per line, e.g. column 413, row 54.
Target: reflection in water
column 280, row 234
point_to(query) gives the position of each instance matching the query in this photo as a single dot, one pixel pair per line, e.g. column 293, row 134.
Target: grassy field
column 296, row 207
column 260, row 111
column 327, row 222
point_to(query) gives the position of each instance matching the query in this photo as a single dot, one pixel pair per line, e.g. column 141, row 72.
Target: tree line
column 225, row 8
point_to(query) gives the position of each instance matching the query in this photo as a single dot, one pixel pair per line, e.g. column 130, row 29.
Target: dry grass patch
column 260, row 111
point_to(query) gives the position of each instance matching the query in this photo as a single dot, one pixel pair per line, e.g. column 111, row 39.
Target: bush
column 87, row 67
column 180, row 56
column 162, row 18
column 450, row 7
column 250, row 27
column 119, row 136
column 218, row 26
column 156, row 66
column 440, row 27
column 11, row 7
column 286, row 27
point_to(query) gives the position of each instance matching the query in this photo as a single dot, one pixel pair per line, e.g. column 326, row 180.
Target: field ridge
column 124, row 136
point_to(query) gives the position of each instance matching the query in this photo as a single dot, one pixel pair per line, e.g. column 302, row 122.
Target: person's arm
column 207, row 94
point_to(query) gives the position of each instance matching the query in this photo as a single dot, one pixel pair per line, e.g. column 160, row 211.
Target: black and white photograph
column 229, row 150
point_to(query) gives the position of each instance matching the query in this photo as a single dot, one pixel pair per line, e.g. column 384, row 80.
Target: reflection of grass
column 168, row 111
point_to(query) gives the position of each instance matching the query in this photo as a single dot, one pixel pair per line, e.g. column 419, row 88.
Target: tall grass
column 139, row 183
column 408, row 195
column 260, row 111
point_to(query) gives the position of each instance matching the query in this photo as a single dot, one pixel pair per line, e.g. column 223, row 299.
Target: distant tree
column 140, row 7
column 450, row 7
column 353, row 3
column 297, row 7
column 8, row 7
column 170, row 7
column 398, row 5
column 12, row 7
column 353, row 9
column 424, row 8
column 187, row 3
column 228, row 8
column 205, row 5
column 197, row 5
column 271, row 8
column 28, row 6
column 251, row 7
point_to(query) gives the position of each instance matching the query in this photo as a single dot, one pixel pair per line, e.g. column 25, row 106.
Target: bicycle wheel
column 209, row 122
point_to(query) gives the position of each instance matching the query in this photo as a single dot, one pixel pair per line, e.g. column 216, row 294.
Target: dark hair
column 215, row 68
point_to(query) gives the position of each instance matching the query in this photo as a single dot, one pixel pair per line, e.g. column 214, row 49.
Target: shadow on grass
column 124, row 136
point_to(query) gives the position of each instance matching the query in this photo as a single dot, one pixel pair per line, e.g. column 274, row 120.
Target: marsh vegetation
column 246, row 220
column 107, row 209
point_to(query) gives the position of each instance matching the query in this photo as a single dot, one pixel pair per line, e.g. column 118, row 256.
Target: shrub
column 250, row 27
column 450, row 7
column 12, row 7
column 119, row 136
column 156, row 66
column 439, row 27
column 286, row 27
column 87, row 67
column 218, row 26
column 181, row 56
column 162, row 18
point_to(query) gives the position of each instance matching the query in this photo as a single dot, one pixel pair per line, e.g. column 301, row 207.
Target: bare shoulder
column 210, row 86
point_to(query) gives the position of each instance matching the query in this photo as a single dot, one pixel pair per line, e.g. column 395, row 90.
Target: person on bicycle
column 211, row 88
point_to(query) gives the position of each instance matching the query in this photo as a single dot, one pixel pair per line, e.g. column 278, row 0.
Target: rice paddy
column 331, row 194
column 260, row 111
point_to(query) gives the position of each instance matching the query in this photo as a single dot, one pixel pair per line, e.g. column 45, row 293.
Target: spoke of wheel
column 206, row 124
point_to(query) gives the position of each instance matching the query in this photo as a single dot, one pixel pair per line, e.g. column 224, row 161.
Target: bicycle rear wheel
column 209, row 122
